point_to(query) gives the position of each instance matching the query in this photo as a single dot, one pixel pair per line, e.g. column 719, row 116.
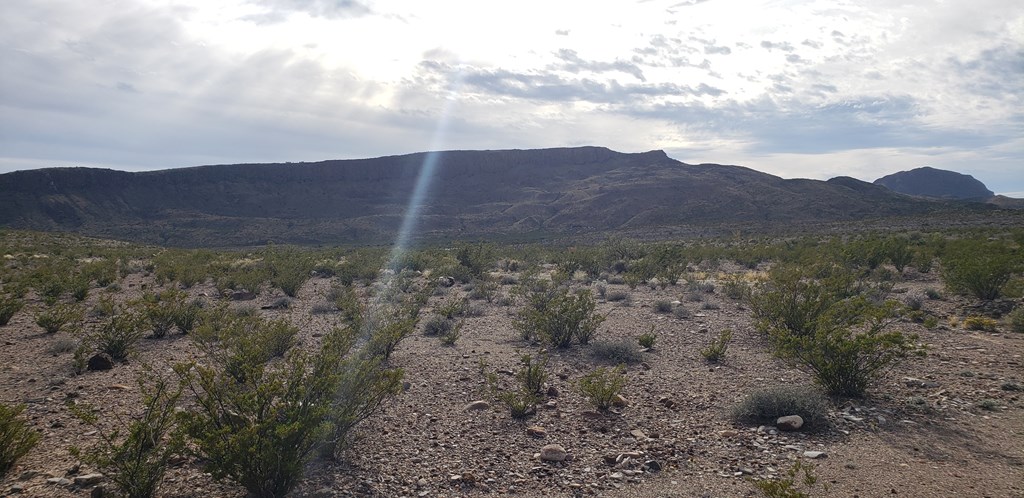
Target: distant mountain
column 562, row 192
column 937, row 183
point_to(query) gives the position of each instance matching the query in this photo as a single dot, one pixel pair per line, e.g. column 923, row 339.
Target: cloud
column 276, row 11
column 783, row 46
column 571, row 62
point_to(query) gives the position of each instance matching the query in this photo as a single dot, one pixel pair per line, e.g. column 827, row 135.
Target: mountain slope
column 931, row 182
column 472, row 193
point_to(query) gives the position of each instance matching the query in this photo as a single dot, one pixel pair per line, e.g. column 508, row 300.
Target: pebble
column 536, row 431
column 815, row 454
column 620, row 401
column 88, row 479
column 477, row 405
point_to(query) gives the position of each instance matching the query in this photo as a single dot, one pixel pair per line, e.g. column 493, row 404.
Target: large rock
column 790, row 423
column 553, row 453
column 100, row 361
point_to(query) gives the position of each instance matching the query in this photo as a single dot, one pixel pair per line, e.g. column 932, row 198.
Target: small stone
column 666, row 402
column 553, row 453
column 616, row 475
column 790, row 423
column 455, row 478
column 815, row 454
column 591, row 415
column 477, row 405
column 100, row 361
column 536, row 431
column 552, row 392
column 551, row 405
column 17, row 488
column 88, row 479
column 59, row 481
column 620, row 401
column 639, row 434
column 729, row 433
column 652, row 466
column 119, row 387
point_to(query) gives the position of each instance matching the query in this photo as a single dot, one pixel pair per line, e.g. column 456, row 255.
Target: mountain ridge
column 561, row 191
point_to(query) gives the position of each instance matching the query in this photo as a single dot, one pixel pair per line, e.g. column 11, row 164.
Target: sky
column 798, row 89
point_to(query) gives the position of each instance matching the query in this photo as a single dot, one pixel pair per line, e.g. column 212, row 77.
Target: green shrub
column 363, row 385
column 646, row 340
column 616, row 352
column 765, row 406
column 118, row 335
column 735, row 288
column 932, row 294
column 521, row 403
column 60, row 316
column 662, row 306
column 8, row 307
column 451, row 336
column 794, row 301
column 262, row 430
column 847, row 358
column 187, row 316
column 437, row 326
column 558, row 317
column 602, row 385
column 16, row 438
column 1017, row 319
column 980, row 323
column 790, row 485
column 980, row 270
column 534, row 374
column 137, row 462
column 716, row 349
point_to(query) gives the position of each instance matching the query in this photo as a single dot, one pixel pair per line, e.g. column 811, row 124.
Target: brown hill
column 931, row 182
column 525, row 193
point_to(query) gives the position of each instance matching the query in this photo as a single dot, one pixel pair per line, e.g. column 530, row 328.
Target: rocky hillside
column 938, row 183
column 522, row 193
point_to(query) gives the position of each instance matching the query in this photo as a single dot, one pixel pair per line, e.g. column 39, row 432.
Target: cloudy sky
column 810, row 89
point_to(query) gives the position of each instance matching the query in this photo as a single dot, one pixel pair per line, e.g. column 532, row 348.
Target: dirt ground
column 948, row 424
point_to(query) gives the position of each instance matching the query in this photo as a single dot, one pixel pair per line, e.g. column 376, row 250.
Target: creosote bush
column 980, row 323
column 980, row 269
column 792, row 484
column 602, row 385
column 558, row 317
column 8, row 307
column 716, row 349
column 765, row 406
column 61, row 316
column 136, row 462
column 1017, row 319
column 118, row 335
column 647, row 339
column 822, row 319
column 16, row 437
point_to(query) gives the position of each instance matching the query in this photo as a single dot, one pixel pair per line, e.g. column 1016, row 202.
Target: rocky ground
column 947, row 424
